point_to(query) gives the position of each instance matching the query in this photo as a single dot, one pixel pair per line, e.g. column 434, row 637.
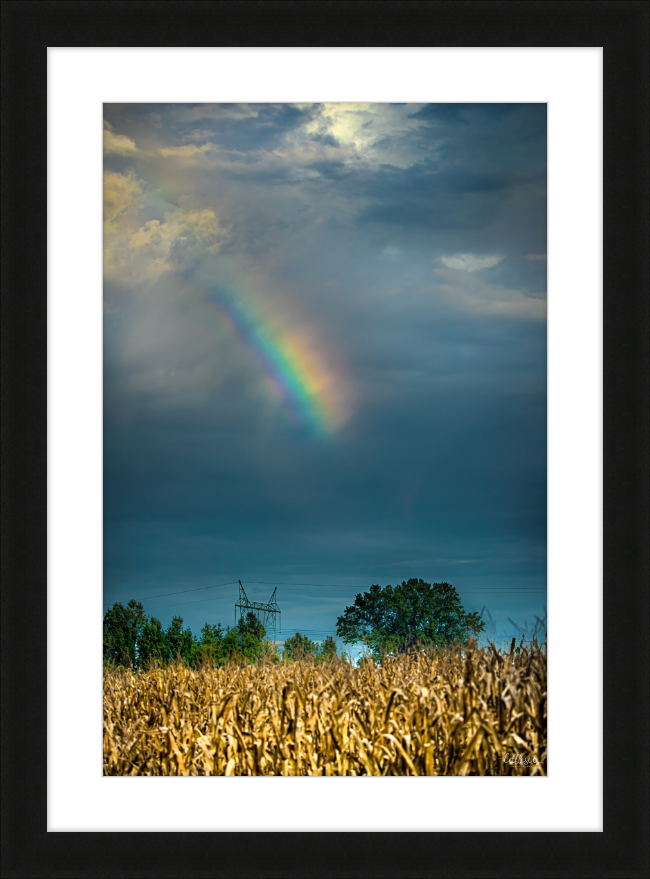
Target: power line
column 461, row 591
column 181, row 603
column 180, row 592
column 351, row 586
column 472, row 591
column 308, row 629
column 319, row 585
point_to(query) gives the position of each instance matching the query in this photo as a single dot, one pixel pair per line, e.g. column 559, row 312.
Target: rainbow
column 307, row 387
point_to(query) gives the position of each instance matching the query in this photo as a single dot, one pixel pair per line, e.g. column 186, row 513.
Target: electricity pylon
column 267, row 614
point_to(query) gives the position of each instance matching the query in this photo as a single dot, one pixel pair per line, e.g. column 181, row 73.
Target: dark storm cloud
column 409, row 243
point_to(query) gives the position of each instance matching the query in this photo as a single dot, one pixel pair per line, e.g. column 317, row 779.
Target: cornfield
column 481, row 712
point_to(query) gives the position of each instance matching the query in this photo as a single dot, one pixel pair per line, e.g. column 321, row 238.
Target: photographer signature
column 520, row 760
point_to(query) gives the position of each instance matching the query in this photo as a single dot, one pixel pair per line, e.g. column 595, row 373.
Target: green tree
column 152, row 645
column 270, row 652
column 393, row 619
column 209, row 646
column 211, row 635
column 246, row 641
column 230, row 647
column 327, row 650
column 250, row 636
column 300, row 647
column 122, row 630
column 180, row 641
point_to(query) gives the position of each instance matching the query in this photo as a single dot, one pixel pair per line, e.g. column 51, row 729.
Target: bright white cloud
column 375, row 132
column 117, row 143
column 469, row 294
column 470, row 262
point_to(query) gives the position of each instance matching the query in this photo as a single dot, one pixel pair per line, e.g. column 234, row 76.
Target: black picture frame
column 28, row 28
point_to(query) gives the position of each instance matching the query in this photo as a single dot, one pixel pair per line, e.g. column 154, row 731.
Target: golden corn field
column 442, row 713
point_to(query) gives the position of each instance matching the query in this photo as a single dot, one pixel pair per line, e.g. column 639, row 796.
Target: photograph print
column 324, row 439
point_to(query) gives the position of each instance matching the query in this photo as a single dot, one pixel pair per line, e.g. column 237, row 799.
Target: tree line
column 135, row 640
column 384, row 620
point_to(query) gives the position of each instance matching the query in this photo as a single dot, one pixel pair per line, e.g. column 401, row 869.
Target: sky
column 324, row 356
